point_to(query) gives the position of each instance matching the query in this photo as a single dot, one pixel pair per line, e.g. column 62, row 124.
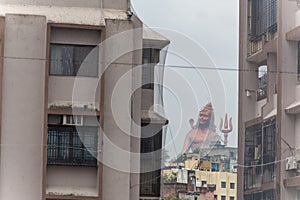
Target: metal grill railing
column 260, row 153
column 70, row 145
column 263, row 21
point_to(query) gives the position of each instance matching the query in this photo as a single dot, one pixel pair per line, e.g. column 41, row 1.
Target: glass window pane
column 72, row 59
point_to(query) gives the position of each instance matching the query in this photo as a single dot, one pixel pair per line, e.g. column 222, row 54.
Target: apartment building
column 89, row 128
column 269, row 100
column 222, row 184
column 201, row 179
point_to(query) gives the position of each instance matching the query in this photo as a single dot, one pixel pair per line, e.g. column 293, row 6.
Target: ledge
column 71, row 193
column 151, row 117
column 58, row 197
column 293, row 108
column 292, row 182
column 70, row 111
column 271, row 114
column 66, row 15
column 55, row 14
column 153, row 39
column 294, row 34
column 261, row 55
column 263, row 187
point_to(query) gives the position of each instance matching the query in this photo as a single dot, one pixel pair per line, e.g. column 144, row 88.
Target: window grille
column 70, row 145
column 263, row 18
column 260, row 153
column 269, row 195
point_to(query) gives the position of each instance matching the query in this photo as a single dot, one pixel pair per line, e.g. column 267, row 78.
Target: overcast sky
column 203, row 33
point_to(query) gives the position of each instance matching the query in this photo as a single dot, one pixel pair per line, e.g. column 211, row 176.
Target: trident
column 225, row 129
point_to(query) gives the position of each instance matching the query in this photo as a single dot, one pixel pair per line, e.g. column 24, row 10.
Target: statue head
column 206, row 117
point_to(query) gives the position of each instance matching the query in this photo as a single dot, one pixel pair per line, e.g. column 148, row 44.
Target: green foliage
column 174, row 198
column 197, row 151
column 170, row 178
column 180, row 158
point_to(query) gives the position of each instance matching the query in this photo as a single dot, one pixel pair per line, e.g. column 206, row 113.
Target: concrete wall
column 78, row 178
column 109, row 4
column 23, row 108
column 84, row 90
column 117, row 111
column 287, row 61
column 67, row 3
column 116, row 4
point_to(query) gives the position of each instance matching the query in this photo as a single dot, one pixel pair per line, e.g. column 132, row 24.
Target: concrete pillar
column 21, row 164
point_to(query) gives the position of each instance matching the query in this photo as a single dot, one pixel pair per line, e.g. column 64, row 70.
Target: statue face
column 204, row 118
column 205, row 114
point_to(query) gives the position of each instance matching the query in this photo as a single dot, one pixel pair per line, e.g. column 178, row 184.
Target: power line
column 191, row 67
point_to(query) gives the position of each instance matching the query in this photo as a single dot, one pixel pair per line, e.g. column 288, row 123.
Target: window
column 253, row 157
column 72, row 60
column 223, row 197
column 70, row 145
column 260, row 156
column 269, row 195
column 269, row 149
column 231, row 198
column 263, row 18
column 298, row 58
column 203, row 183
column 232, row 185
column 262, row 82
column 150, row 59
column 151, row 143
column 223, row 184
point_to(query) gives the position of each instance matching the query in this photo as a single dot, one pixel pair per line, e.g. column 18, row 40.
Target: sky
column 202, row 62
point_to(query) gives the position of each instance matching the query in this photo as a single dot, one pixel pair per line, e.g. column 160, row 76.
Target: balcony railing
column 262, row 24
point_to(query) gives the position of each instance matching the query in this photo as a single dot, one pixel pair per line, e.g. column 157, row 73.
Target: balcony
column 262, row 24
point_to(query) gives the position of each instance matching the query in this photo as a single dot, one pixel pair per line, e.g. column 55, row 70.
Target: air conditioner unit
column 291, row 163
column 74, row 120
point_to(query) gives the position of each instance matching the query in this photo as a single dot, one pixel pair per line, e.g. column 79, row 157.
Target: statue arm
column 187, row 143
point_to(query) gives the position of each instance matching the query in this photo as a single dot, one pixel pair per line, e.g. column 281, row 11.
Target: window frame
column 263, row 18
column 298, row 59
column 260, row 153
column 150, row 57
column 75, row 68
column 232, row 185
column 151, row 149
column 223, row 184
column 61, row 148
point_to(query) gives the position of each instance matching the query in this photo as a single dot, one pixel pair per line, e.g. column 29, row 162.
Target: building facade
column 268, row 156
column 222, row 184
column 71, row 67
column 200, row 179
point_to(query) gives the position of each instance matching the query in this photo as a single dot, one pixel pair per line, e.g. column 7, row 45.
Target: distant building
column 219, row 153
column 199, row 177
column 191, row 182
